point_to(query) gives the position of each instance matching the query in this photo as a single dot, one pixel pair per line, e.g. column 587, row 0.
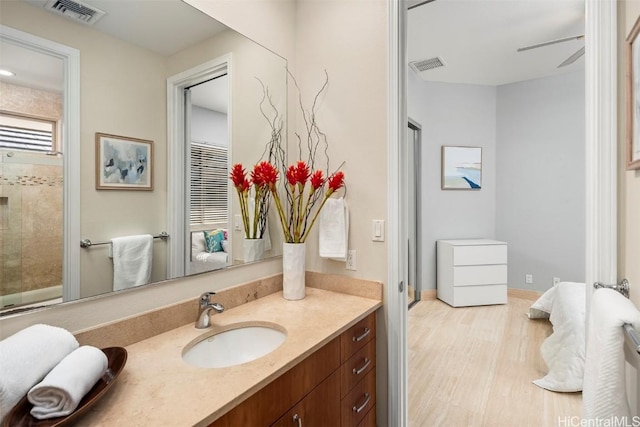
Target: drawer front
column 480, row 255
column 475, row 275
column 369, row 420
column 357, row 336
column 319, row 408
column 464, row 296
column 359, row 401
column 357, row 367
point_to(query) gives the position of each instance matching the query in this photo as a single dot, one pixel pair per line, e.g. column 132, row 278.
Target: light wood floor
column 473, row 366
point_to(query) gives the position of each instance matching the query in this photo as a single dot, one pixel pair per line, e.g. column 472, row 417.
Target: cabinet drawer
column 357, row 367
column 479, row 275
column 357, row 336
column 319, row 408
column 464, row 296
column 369, row 420
column 359, row 401
column 479, row 254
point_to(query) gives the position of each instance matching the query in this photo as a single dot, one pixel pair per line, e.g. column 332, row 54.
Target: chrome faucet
column 206, row 306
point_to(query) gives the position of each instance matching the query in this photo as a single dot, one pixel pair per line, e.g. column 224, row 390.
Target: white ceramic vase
column 293, row 270
column 252, row 250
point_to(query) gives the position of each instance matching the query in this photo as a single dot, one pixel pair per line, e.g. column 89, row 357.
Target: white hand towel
column 603, row 393
column 63, row 388
column 26, row 357
column 132, row 260
column 334, row 230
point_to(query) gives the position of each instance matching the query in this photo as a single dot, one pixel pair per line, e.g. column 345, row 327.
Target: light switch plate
column 377, row 230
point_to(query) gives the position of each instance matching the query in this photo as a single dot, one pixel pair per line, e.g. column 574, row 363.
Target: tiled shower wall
column 31, row 238
column 31, row 206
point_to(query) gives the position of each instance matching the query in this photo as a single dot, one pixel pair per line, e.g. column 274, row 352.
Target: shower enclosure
column 31, row 227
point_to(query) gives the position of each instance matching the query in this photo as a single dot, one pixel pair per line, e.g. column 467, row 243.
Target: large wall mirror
column 134, row 59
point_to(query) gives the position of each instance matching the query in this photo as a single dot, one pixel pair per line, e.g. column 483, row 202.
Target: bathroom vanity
column 323, row 373
column 334, row 386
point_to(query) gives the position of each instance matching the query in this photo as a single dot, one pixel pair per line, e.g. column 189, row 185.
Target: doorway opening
column 414, row 201
column 190, row 114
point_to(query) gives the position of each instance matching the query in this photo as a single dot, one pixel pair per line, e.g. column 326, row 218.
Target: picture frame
column 632, row 95
column 461, row 168
column 123, row 163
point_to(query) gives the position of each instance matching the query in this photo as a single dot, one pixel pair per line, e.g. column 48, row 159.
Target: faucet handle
column 205, row 298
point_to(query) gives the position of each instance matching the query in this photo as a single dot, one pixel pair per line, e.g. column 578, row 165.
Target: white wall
column 209, row 126
column 540, row 196
column 532, row 197
column 453, row 114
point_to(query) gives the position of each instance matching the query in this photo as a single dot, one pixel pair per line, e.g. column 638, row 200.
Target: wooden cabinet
column 334, row 386
column 472, row 272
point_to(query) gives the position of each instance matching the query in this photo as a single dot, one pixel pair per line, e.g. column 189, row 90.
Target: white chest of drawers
column 472, row 272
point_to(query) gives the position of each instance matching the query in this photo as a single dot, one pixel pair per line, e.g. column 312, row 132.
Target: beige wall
column 349, row 39
column 120, row 95
column 628, row 181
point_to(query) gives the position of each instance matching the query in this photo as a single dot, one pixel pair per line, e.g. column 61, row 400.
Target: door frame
column 600, row 177
column 71, row 165
column 177, row 201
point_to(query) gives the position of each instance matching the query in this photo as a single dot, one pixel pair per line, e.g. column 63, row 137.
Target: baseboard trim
column 428, row 295
column 523, row 294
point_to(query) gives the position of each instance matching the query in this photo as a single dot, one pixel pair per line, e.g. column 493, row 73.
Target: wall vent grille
column 427, row 64
column 76, row 10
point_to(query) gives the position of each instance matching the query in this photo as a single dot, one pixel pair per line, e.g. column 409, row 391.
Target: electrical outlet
column 528, row 278
column 556, row 280
column 351, row 259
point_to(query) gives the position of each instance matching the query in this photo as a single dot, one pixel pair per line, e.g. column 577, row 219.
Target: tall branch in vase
column 299, row 213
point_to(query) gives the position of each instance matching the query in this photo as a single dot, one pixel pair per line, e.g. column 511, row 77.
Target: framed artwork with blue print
column 461, row 168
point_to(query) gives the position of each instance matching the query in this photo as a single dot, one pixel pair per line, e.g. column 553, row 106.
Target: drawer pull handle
column 363, row 336
column 364, row 366
column 297, row 419
column 358, row 409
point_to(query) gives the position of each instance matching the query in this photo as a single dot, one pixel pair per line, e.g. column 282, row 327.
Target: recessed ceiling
column 478, row 39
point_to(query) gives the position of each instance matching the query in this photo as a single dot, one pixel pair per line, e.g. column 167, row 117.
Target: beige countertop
column 158, row 388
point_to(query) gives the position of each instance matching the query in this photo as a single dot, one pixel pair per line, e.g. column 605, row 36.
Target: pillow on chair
column 213, row 240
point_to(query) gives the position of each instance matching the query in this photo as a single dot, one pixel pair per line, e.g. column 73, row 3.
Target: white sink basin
column 240, row 344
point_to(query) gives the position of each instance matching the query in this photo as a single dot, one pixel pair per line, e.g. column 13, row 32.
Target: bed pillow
column 213, row 241
column 541, row 308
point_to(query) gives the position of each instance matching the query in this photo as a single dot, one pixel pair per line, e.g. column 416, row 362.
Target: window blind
column 209, row 181
column 15, row 138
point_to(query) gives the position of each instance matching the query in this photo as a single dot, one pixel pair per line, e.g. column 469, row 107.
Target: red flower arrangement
column 302, row 198
column 253, row 228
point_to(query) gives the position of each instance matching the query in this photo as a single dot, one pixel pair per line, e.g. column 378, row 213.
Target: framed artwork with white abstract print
column 123, row 163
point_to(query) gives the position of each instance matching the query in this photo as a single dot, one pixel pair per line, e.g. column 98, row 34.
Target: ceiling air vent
column 75, row 10
column 426, row 64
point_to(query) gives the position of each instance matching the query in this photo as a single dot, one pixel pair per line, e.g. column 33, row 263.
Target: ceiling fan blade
column 573, row 58
column 566, row 39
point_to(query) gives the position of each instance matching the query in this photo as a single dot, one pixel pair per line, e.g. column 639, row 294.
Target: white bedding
column 564, row 350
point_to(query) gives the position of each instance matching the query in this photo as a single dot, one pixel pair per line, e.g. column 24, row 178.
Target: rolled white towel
column 61, row 390
column 26, row 357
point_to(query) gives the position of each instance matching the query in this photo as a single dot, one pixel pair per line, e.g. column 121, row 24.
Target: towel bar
column 86, row 243
column 622, row 287
column 633, row 335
